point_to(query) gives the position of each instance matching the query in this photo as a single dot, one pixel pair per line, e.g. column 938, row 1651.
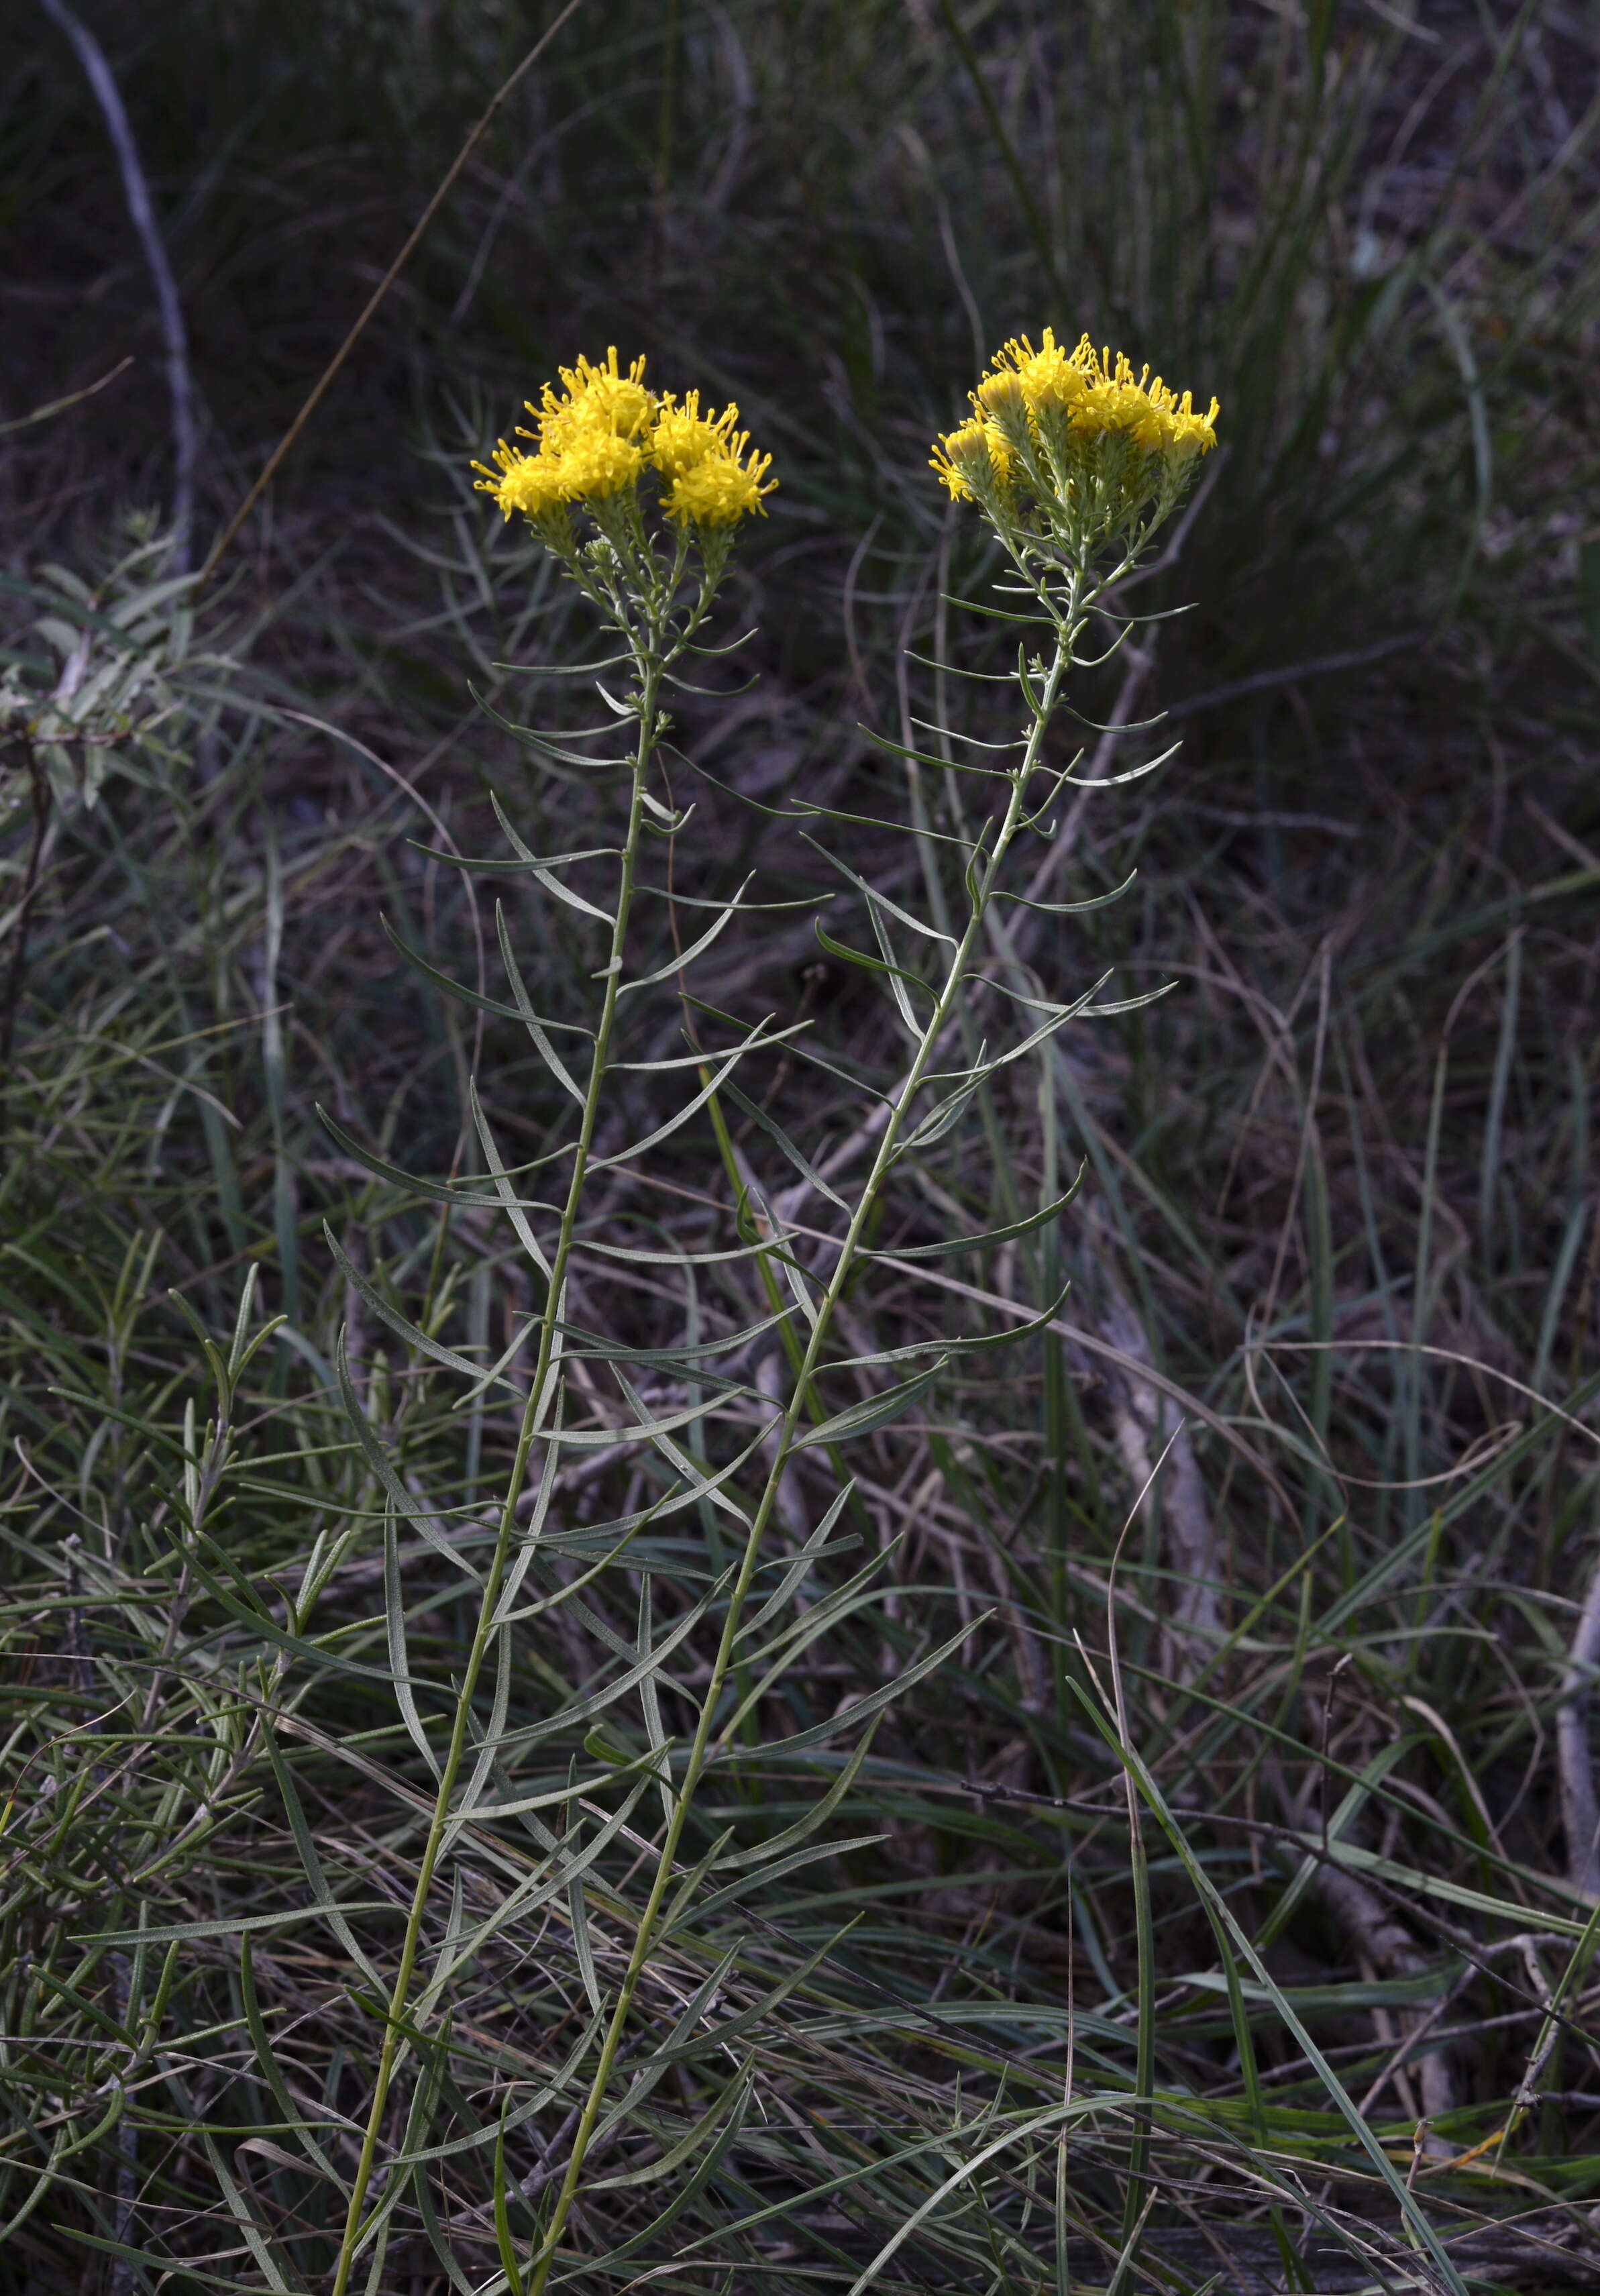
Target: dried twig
column 1580, row 1815
column 1387, row 1948
column 1392, row 1951
column 1319, row 666
column 1140, row 1417
column 54, row 406
column 320, row 390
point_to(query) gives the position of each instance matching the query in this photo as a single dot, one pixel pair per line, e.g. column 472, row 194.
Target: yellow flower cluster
column 595, row 438
column 1066, row 423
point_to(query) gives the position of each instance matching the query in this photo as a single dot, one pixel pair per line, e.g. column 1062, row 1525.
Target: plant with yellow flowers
column 639, row 497
column 1075, row 461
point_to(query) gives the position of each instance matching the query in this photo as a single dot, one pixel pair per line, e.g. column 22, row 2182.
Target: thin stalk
column 701, row 1746
column 651, row 668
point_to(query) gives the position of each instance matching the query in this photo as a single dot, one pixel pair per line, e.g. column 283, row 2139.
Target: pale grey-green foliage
column 111, row 662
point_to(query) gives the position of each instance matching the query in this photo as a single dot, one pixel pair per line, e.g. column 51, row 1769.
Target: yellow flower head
column 1075, row 441
column 594, row 465
column 974, row 460
column 1097, row 392
column 532, row 484
column 1048, row 377
column 1191, row 433
column 723, row 486
column 684, row 437
column 594, row 399
column 1116, row 400
column 1005, row 412
column 599, row 435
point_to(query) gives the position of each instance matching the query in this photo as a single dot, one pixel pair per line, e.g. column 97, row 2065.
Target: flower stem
column 651, row 666
column 701, row 1747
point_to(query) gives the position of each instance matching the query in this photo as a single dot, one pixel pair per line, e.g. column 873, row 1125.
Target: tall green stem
column 651, row 666
column 700, row 1747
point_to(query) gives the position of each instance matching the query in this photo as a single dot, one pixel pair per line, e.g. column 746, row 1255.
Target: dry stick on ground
column 46, row 820
column 1387, row 1947
column 275, row 460
column 1179, row 1500
column 1378, row 1937
column 1392, row 1951
column 1139, row 1409
column 1579, row 1816
column 1317, row 666
column 1138, row 1405
column 136, row 191
column 1541, row 2253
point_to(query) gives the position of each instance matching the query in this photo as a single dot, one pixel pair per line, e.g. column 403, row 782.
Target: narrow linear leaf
column 862, row 1709
column 529, row 1018
column 475, row 997
column 754, row 1042
column 877, row 1411
column 681, row 961
column 394, row 1619
column 409, row 1509
column 731, row 2098
column 514, row 1210
column 881, row 900
column 535, row 868
column 398, row 1324
column 793, row 1835
column 272, row 2072
column 796, row 1570
column 1040, row 1218
column 1070, row 908
column 774, row 1131
column 235, row 1926
column 500, row 866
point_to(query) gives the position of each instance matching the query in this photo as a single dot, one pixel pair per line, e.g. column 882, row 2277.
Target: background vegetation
column 1339, row 1216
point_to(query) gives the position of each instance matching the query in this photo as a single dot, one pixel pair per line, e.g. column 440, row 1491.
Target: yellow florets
column 1097, row 392
column 594, row 465
column 1097, row 446
column 1152, row 415
column 722, row 487
column 974, row 460
column 596, row 398
column 604, row 429
column 1048, row 376
column 684, row 437
column 530, row 483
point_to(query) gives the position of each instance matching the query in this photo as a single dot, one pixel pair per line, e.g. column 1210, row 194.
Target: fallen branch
column 1388, row 1946
column 1580, row 1815
column 1178, row 1502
